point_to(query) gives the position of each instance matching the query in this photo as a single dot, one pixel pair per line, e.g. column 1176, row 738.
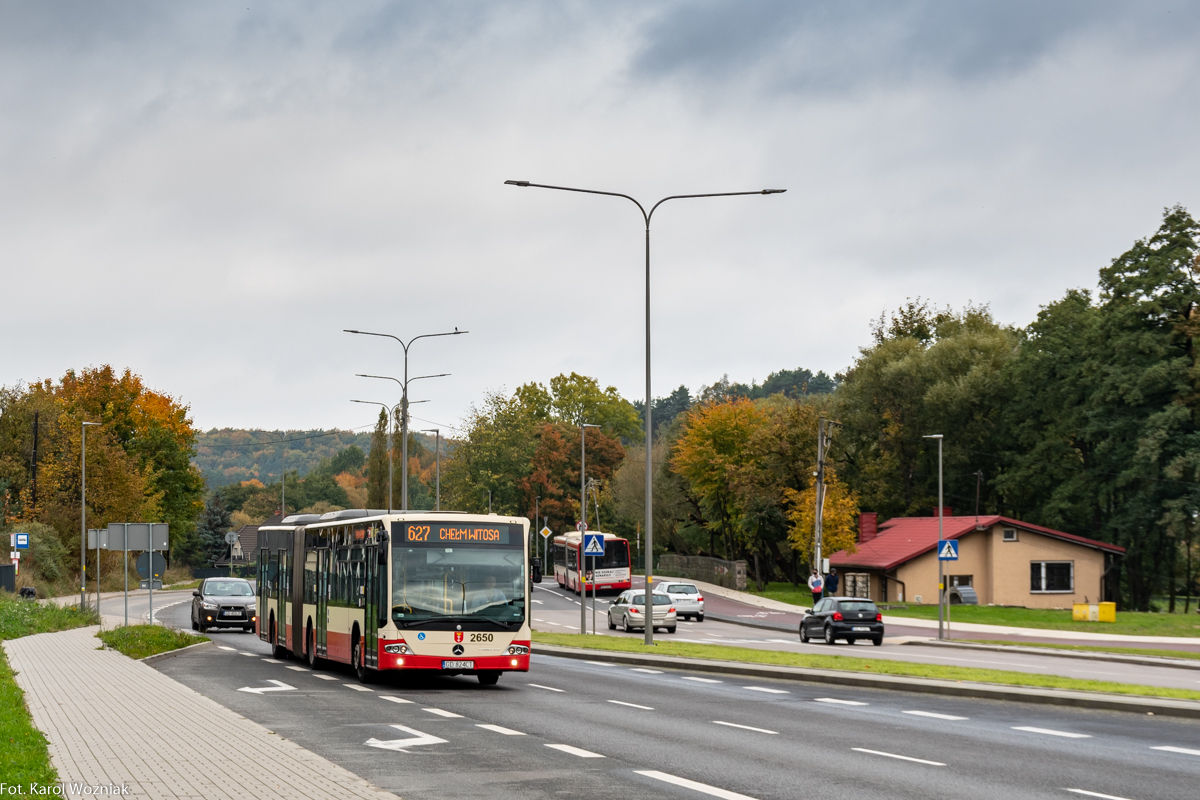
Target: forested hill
column 232, row 455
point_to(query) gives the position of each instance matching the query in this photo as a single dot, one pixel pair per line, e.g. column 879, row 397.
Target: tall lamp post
column 437, row 461
column 583, row 426
column 941, row 571
column 404, row 400
column 391, row 413
column 646, row 216
column 83, row 520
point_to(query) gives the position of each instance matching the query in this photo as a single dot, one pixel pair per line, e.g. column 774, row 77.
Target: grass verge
column 1087, row 648
column 139, row 641
column 851, row 664
column 24, row 617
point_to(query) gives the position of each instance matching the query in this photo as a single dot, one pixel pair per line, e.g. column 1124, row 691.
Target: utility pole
column 941, row 533
column 583, row 426
column 824, row 439
column 83, row 518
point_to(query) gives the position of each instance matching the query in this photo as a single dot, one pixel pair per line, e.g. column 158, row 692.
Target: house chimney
column 946, row 511
column 868, row 527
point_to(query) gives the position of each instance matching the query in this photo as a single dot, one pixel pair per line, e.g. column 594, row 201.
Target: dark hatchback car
column 224, row 603
column 849, row 618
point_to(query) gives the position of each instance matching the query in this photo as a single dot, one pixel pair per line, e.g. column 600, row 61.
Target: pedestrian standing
column 831, row 582
column 816, row 583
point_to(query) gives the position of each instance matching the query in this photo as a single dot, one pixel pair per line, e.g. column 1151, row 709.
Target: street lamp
column 404, row 400
column 941, row 576
column 83, row 521
column 437, row 456
column 391, row 413
column 649, row 438
column 583, row 426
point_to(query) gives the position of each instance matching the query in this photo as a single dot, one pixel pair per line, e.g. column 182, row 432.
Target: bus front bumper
column 452, row 663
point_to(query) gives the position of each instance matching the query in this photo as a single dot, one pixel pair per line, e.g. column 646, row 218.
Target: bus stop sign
column 593, row 544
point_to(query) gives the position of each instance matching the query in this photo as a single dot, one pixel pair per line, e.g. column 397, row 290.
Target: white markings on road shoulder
column 902, row 758
column 357, row 688
column 279, row 686
column 223, row 647
column 443, row 713
column 695, row 786
column 701, row 680
column 601, row 663
column 326, row 677
column 646, row 671
column 1183, row 750
column 417, row 739
column 1096, row 794
column 272, row 661
column 1048, row 732
column 575, row 751
column 252, row 655
column 298, row 669
column 766, row 689
column 932, row 715
column 547, row 688
column 394, row 699
column 840, row 702
column 631, row 705
column 499, row 729
column 744, row 727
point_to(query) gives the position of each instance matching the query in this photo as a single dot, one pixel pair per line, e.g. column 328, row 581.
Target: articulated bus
column 382, row 592
column 611, row 569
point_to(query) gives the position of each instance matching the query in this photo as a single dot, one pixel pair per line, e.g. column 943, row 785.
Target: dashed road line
column 1169, row 749
column 1086, row 793
column 395, row 699
column 646, row 671
column 701, row 680
column 298, row 669
column 696, row 786
column 326, row 677
column 895, row 755
column 443, row 713
column 356, row 687
column 575, row 751
column 631, row 705
column 252, row 655
column 1049, row 732
column 933, row 715
column 601, row 663
column 498, row 729
column 223, row 647
column 766, row 689
column 547, row 688
column 272, row 661
column 840, row 702
column 744, row 727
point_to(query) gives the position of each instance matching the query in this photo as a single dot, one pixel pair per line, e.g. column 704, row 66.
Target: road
column 584, row 729
column 556, row 610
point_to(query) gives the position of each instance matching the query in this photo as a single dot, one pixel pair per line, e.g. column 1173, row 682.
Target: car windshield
column 682, row 588
column 228, row 589
column 866, row 606
column 429, row 583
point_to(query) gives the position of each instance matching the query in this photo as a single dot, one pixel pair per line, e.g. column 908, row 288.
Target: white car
column 628, row 611
column 688, row 600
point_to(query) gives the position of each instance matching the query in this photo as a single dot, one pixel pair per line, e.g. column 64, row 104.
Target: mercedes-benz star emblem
column 458, row 649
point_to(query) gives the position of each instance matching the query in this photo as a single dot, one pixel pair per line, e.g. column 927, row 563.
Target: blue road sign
column 948, row 550
column 21, row 541
column 593, row 544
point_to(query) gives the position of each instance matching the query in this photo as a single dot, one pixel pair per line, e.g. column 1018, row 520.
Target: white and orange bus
column 420, row 590
column 611, row 569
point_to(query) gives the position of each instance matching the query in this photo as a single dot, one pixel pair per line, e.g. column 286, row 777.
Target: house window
column 1010, row 535
column 1052, row 576
column 961, row 580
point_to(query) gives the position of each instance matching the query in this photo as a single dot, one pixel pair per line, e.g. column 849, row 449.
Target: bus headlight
column 396, row 649
column 518, row 650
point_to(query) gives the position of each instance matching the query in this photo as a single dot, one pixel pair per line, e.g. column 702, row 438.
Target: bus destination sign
column 450, row 533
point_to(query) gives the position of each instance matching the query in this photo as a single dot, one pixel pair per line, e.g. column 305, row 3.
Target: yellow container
column 1094, row 612
column 1108, row 612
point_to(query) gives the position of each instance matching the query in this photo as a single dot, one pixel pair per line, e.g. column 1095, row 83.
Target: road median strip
column 879, row 673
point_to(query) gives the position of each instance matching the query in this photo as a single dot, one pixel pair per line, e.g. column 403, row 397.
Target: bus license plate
column 458, row 665
column 860, row 629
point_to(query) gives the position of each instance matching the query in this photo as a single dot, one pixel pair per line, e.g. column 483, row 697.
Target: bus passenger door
column 263, row 594
column 283, row 594
column 371, row 608
column 322, row 620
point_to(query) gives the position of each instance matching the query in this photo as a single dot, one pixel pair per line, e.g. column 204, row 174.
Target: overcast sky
column 208, row 193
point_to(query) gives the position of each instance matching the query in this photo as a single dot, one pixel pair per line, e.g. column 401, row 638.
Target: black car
column 224, row 603
column 849, row 618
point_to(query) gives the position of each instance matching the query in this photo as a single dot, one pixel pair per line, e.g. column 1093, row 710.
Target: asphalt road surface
column 591, row 729
column 556, row 610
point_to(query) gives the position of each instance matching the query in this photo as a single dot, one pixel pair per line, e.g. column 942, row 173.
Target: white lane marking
column 272, row 661
column 535, row 619
column 298, row 669
column 223, row 647
column 326, row 677
column 357, row 688
column 744, row 727
column 601, row 663
column 902, row 758
column 539, row 602
column 552, row 623
column 279, row 686
column 499, row 729
column 252, row 655
column 547, row 688
column 632, row 705
column 647, row 671
column 1048, row 732
column 394, row 699
column 442, row 713
column 575, row 751
column 766, row 689
column 1183, row 750
column 417, row 739
column 932, row 715
column 695, row 786
column 1095, row 794
column 840, row 702
column 701, row 680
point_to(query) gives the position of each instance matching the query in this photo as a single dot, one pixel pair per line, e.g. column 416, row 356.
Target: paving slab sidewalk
column 112, row 720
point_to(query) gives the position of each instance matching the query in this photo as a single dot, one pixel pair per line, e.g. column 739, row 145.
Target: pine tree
column 210, row 531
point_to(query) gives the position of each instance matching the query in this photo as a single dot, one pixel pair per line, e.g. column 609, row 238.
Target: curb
column 172, row 653
column 1117, row 658
column 1023, row 694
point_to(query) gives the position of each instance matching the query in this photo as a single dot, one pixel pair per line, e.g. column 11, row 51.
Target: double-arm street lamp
column 583, row 426
column 83, row 521
column 404, row 400
column 646, row 216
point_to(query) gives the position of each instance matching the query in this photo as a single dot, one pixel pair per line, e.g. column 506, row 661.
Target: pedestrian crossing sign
column 948, row 550
column 593, row 544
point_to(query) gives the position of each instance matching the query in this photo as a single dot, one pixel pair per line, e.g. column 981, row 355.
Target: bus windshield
column 616, row 555
column 458, row 584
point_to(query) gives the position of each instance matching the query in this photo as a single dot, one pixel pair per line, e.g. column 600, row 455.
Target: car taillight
column 671, row 610
column 878, row 617
column 699, row 599
column 633, row 611
column 837, row 616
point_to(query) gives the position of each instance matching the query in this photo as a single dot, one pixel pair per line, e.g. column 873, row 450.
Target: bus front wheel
column 489, row 678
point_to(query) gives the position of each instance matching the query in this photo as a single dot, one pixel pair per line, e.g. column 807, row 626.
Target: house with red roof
column 1006, row 561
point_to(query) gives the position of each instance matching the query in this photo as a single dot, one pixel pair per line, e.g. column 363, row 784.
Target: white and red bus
column 420, row 590
column 611, row 569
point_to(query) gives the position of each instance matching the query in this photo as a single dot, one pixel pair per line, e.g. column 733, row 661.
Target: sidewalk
column 111, row 720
